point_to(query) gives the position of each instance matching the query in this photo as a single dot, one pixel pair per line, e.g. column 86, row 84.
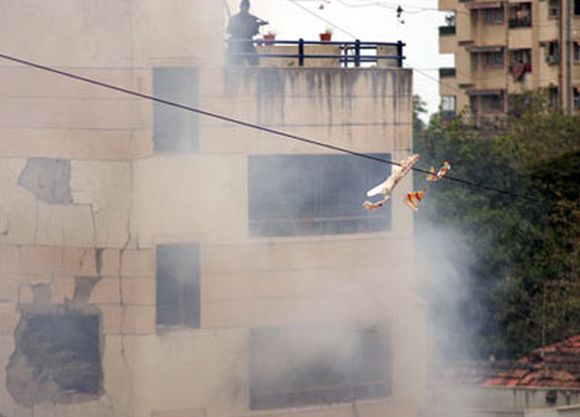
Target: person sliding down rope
column 387, row 187
column 414, row 198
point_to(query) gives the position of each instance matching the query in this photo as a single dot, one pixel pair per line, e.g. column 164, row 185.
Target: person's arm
column 257, row 23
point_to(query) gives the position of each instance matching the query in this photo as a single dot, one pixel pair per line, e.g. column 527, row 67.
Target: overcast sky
column 369, row 22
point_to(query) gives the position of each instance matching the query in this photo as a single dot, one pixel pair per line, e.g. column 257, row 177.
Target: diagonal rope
column 239, row 122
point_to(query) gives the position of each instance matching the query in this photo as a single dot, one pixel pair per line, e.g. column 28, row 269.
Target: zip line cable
column 387, row 5
column 328, row 22
column 239, row 122
column 395, row 6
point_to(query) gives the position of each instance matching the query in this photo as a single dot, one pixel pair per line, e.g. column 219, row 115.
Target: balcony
column 446, row 30
column 520, row 22
column 327, row 54
column 447, row 72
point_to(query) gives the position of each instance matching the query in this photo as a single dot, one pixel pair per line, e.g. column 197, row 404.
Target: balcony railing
column 348, row 53
column 520, row 22
column 446, row 72
column 448, row 115
column 446, row 30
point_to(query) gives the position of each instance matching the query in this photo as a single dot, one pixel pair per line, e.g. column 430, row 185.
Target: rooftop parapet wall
column 370, row 108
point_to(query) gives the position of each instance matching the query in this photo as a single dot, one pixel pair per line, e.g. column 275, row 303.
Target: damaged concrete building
column 158, row 263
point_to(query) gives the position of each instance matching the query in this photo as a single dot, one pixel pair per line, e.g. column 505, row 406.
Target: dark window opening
column 447, row 72
column 553, row 52
column 486, row 104
column 314, row 195
column 294, row 367
column 174, row 129
column 178, row 290
column 493, row 59
column 521, row 56
column 57, row 359
column 493, row 16
column 492, row 103
column 520, row 15
column 576, row 97
column 577, row 7
column 554, row 8
column 554, row 96
column 474, row 105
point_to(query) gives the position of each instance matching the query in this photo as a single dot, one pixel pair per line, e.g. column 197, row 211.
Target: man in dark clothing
column 242, row 28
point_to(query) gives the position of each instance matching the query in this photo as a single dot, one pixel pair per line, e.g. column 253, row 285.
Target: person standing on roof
column 242, row 28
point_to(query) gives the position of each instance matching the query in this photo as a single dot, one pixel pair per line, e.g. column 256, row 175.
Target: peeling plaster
column 53, row 361
column 48, row 179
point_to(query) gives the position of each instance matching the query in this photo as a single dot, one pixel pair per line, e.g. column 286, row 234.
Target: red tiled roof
column 556, row 365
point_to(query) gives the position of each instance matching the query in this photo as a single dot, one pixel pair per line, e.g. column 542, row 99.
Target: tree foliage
column 522, row 279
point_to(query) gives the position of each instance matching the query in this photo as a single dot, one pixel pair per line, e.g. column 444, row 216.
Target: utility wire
column 229, row 119
column 328, row 22
column 382, row 4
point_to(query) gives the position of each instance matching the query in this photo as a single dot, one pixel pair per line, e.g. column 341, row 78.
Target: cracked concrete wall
column 47, row 179
column 92, row 210
column 66, row 177
column 57, row 280
column 124, row 199
column 120, row 210
column 57, row 355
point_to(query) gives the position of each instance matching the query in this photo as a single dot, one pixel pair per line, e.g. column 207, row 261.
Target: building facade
column 158, row 263
column 504, row 48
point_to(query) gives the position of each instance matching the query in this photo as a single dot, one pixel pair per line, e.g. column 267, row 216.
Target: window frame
column 311, row 380
column 553, row 9
column 516, row 21
column 486, row 109
column 521, row 56
column 497, row 62
column 166, row 85
column 52, row 333
column 450, row 99
column 494, row 16
column 322, row 216
column 172, row 308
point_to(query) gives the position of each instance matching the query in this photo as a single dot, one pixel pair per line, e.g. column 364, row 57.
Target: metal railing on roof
column 447, row 72
column 446, row 30
column 352, row 53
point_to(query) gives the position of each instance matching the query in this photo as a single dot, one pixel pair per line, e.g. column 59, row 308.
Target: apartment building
column 503, row 48
column 155, row 262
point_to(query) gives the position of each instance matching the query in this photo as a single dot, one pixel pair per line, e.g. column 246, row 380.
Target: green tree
column 522, row 276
